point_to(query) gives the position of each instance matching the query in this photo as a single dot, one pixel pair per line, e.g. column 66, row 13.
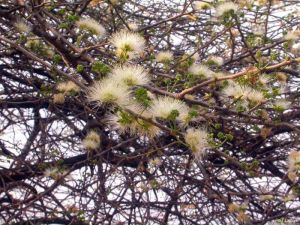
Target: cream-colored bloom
column 254, row 96
column 58, row 98
column 120, row 121
column 128, row 44
column 22, row 27
column 234, row 90
column 145, row 128
column 54, row 173
column 155, row 162
column 68, row 86
column 265, row 197
column 109, row 91
column 124, row 122
column 246, row 93
column 233, row 207
column 197, row 140
column 50, row 172
column 91, row 25
column 199, row 5
column 195, row 56
column 291, row 36
column 130, row 75
column 164, row 56
column 133, row 26
column 294, row 161
column 219, row 61
column 226, row 7
column 163, row 107
column 289, row 197
column 264, row 80
column 201, row 70
column 91, row 141
column 282, row 103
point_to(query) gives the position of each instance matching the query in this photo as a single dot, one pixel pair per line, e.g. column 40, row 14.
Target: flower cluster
column 199, row 5
column 91, row 25
column 169, row 108
column 164, row 57
column 226, row 7
column 91, row 141
column 68, row 86
column 22, row 27
column 244, row 93
column 128, row 44
column 197, row 140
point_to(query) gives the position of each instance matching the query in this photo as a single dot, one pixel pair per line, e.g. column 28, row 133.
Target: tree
column 149, row 112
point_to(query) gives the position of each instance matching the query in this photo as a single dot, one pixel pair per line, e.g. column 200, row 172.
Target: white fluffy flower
column 124, row 122
column 291, row 36
column 198, row 5
column 130, row 75
column 226, row 7
column 282, row 103
column 197, row 140
column 128, row 44
column 58, row 98
column 91, row 141
column 162, row 107
column 54, row 173
column 164, row 56
column 91, row 25
column 294, row 161
column 254, row 96
column 22, row 27
column 234, row 90
column 216, row 60
column 201, row 70
column 133, row 26
column 265, row 197
column 120, row 121
column 246, row 93
column 264, row 80
column 145, row 128
column 109, row 91
column 67, row 86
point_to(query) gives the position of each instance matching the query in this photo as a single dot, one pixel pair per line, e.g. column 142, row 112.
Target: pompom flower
column 168, row 108
column 68, row 86
column 124, row 122
column 133, row 26
column 91, row 141
column 197, row 140
column 164, row 56
column 225, row 8
column 233, row 90
column 128, row 44
column 59, row 98
column 254, row 96
column 108, row 91
column 245, row 93
column 294, row 161
column 22, row 27
column 201, row 70
column 55, row 173
column 282, row 104
column 291, row 36
column 91, row 25
column 219, row 61
column 130, row 75
column 198, row 5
